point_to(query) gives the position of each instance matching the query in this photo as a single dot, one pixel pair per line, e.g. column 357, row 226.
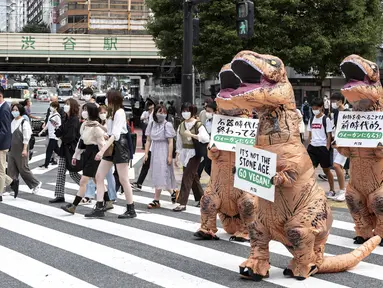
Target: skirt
column 89, row 164
column 121, row 153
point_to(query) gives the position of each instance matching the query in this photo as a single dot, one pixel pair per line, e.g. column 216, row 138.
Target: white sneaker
column 37, row 188
column 341, row 196
column 330, row 194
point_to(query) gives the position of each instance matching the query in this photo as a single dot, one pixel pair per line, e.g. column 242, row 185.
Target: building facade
column 15, row 15
column 102, row 16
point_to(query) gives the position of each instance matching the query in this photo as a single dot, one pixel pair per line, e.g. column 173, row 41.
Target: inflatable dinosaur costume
column 234, row 207
column 364, row 193
column 300, row 217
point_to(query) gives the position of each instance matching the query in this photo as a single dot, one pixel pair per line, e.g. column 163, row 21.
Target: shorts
column 90, row 165
column 121, row 153
column 319, row 155
column 339, row 158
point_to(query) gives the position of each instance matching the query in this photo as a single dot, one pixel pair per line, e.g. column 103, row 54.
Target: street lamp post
column 187, row 66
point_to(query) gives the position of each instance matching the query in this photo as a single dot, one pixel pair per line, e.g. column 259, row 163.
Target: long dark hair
column 92, row 110
column 114, row 101
column 74, row 107
column 188, row 107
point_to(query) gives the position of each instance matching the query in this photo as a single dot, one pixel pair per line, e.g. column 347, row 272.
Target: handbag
column 68, row 155
column 200, row 148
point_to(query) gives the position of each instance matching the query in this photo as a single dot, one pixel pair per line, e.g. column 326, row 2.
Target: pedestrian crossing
column 156, row 249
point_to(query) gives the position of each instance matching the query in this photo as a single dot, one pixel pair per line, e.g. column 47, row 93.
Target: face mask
column 66, row 108
column 84, row 114
column 87, row 97
column 52, row 109
column 106, row 102
column 161, row 117
column 209, row 115
column 186, row 115
column 103, row 116
column 15, row 114
column 334, row 105
column 316, row 112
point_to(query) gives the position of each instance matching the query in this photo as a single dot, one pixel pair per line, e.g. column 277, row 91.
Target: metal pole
column 193, row 85
column 187, row 73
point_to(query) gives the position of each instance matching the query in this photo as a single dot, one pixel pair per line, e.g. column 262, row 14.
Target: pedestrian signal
column 245, row 19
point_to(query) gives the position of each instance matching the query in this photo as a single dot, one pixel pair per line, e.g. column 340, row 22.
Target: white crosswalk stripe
column 147, row 270
column 156, row 249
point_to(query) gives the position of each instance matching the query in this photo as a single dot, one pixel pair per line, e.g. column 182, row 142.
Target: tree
column 307, row 35
column 36, row 28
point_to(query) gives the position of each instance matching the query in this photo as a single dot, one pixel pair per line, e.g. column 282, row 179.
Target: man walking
column 5, row 144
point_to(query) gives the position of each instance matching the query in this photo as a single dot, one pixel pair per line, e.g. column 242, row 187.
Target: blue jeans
column 91, row 187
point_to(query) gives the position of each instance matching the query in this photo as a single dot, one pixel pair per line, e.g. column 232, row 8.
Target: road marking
column 35, row 273
column 37, row 158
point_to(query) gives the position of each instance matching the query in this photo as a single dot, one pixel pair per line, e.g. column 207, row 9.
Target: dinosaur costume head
column 264, row 84
column 363, row 89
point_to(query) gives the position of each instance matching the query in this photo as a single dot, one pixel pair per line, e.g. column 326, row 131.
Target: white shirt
column 27, row 130
column 145, row 117
column 302, row 127
column 318, row 136
column 56, row 118
column 185, row 153
column 209, row 125
column 326, row 104
column 117, row 126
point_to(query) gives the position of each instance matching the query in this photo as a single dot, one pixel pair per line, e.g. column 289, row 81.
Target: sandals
column 85, row 201
column 180, row 208
column 155, row 204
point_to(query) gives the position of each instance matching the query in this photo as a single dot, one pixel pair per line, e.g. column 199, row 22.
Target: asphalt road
column 42, row 246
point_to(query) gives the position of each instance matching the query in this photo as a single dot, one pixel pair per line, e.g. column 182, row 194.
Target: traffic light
column 245, row 19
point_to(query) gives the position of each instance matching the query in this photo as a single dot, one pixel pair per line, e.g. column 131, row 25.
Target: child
column 320, row 129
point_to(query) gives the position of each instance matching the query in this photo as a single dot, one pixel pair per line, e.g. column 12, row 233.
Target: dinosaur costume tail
column 344, row 262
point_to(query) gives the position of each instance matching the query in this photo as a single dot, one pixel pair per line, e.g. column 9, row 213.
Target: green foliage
column 36, row 28
column 307, row 35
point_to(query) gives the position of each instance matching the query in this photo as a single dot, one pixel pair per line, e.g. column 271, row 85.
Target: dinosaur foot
column 205, row 236
column 360, row 240
column 248, row 274
column 289, row 273
column 239, row 239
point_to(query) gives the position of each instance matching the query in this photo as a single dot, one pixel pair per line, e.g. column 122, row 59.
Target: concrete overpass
column 79, row 53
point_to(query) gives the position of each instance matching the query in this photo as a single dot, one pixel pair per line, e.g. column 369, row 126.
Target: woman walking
column 189, row 129
column 91, row 141
column 68, row 133
column 160, row 135
column 120, row 155
column 54, row 122
column 18, row 154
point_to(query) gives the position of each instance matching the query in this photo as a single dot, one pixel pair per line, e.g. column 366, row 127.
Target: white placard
column 254, row 170
column 359, row 129
column 227, row 131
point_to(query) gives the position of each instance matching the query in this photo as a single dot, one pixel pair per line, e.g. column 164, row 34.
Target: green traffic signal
column 243, row 27
column 245, row 19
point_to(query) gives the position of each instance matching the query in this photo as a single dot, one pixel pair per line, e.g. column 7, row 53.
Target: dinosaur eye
column 274, row 62
column 373, row 67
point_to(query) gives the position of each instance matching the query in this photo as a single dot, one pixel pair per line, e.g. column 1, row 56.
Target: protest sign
column 254, row 170
column 227, row 131
column 359, row 129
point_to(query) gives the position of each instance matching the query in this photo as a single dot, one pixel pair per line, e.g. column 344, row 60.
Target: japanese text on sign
column 359, row 129
column 254, row 170
column 228, row 131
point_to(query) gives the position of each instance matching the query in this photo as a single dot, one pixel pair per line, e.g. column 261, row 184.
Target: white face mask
column 87, row 97
column 316, row 112
column 334, row 105
column 186, row 115
column 103, row 116
column 52, row 109
column 66, row 108
column 209, row 115
column 84, row 114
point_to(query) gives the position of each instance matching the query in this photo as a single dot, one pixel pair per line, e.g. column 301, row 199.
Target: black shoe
column 57, row 200
column 322, row 177
column 54, row 162
column 43, row 166
column 347, row 177
column 1, row 198
column 129, row 213
column 96, row 213
column 15, row 187
column 70, row 208
column 198, row 204
column 137, row 186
